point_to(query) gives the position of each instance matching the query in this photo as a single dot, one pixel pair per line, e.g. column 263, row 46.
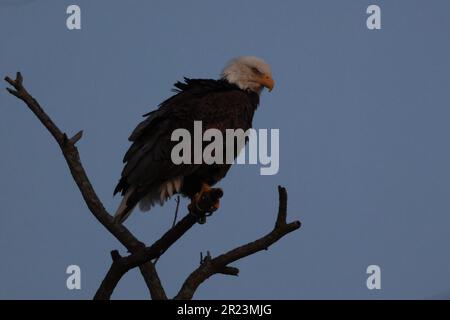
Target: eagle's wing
column 148, row 160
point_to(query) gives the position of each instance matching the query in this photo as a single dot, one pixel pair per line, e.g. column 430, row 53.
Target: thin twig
column 177, row 200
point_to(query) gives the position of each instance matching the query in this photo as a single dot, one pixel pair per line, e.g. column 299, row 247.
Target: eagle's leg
column 207, row 200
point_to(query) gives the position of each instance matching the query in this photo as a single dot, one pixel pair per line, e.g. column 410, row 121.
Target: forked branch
column 220, row 264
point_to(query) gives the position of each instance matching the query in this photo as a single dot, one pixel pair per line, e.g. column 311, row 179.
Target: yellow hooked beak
column 267, row 81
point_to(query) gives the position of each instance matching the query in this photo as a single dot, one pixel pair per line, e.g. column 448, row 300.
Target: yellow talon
column 205, row 188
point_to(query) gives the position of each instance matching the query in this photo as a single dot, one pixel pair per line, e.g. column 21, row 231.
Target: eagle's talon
column 217, row 193
column 198, row 214
column 201, row 220
column 205, row 202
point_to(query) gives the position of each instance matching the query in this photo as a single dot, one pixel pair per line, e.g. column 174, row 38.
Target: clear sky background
column 364, row 119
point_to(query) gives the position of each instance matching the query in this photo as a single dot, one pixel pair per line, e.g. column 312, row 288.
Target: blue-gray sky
column 364, row 119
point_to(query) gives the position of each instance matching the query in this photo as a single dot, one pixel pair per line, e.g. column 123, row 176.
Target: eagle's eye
column 256, row 71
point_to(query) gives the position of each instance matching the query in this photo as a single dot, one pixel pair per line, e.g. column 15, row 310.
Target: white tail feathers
column 160, row 195
column 169, row 188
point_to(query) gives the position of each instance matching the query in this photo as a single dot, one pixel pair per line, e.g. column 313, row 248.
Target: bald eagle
column 149, row 175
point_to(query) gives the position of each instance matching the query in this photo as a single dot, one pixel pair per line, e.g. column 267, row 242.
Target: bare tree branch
column 122, row 265
column 72, row 157
column 94, row 204
column 151, row 278
column 220, row 264
column 140, row 255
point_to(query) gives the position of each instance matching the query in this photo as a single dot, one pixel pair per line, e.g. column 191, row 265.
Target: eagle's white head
column 249, row 73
